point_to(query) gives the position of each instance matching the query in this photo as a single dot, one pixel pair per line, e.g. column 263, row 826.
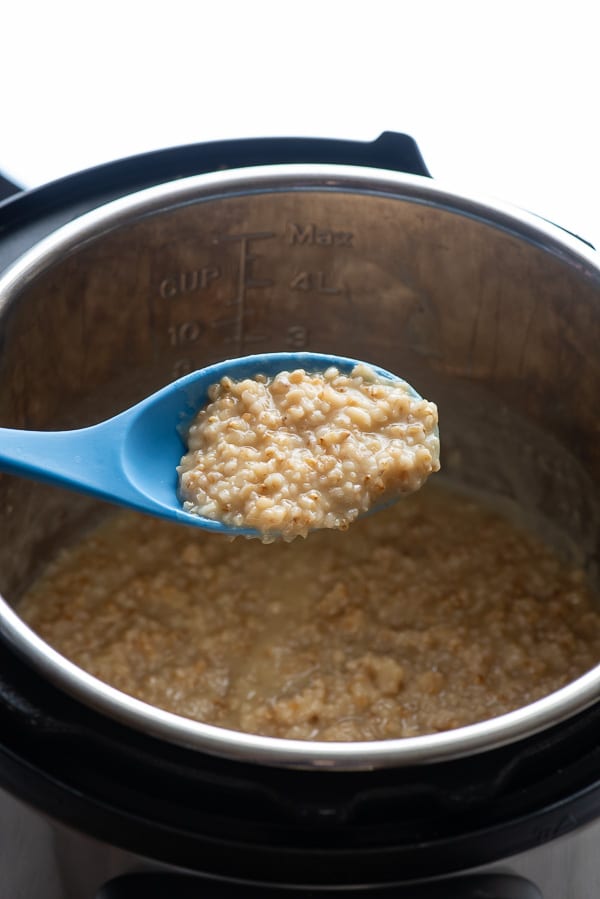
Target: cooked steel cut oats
column 430, row 615
column 304, row 451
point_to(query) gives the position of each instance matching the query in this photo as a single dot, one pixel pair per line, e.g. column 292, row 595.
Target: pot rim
column 285, row 178
column 476, row 738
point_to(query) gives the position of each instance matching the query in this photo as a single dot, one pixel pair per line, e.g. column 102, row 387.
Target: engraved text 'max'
column 312, row 234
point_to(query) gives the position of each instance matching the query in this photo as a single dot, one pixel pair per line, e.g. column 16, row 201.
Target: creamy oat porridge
column 304, row 451
column 430, row 615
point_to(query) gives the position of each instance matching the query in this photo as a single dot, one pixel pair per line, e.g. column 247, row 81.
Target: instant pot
column 114, row 282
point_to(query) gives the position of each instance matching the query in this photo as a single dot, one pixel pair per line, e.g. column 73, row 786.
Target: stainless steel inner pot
column 491, row 312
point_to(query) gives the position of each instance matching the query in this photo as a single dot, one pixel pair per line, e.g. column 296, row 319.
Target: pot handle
column 391, row 150
column 7, row 188
column 176, row 886
column 397, row 152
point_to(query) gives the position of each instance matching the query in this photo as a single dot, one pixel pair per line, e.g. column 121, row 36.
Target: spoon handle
column 87, row 459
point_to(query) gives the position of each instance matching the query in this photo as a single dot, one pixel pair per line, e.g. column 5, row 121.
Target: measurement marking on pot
column 313, row 281
column 297, row 337
column 188, row 282
column 184, row 332
column 241, row 324
column 181, row 367
column 255, row 338
column 311, row 234
column 246, row 280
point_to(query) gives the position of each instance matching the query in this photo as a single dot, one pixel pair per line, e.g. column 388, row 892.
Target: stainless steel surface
column 494, row 314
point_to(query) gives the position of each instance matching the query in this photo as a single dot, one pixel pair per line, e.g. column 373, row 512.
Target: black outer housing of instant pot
column 34, row 213
column 248, row 822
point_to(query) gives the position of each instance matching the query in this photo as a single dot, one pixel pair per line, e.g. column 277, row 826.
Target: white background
column 502, row 97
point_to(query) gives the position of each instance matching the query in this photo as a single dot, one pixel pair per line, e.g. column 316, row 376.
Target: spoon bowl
column 131, row 459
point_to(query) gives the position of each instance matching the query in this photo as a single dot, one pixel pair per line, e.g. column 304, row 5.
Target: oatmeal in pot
column 433, row 614
column 304, row 451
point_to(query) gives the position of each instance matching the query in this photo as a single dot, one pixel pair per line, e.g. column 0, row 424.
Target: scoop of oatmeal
column 304, row 451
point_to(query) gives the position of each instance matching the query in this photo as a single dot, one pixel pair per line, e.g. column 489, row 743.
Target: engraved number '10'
column 186, row 332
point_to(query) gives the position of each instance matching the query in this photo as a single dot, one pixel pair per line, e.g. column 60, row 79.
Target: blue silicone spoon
column 131, row 459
